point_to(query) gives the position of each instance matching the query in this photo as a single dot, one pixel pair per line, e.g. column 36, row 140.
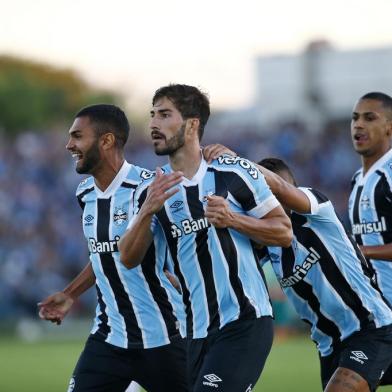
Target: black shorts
column 103, row 367
column 367, row 352
column 232, row 358
column 387, row 377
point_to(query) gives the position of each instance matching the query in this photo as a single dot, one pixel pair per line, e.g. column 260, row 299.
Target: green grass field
column 46, row 366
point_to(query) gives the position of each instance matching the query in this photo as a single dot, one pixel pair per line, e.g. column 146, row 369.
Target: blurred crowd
column 41, row 241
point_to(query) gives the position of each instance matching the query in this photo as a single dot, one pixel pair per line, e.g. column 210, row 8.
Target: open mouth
column 156, row 136
column 360, row 137
column 76, row 156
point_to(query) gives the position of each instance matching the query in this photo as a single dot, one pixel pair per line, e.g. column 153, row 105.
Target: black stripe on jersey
column 356, row 220
column 354, row 179
column 304, row 290
column 262, row 254
column 203, row 256
column 124, row 304
column 81, row 195
column 173, row 247
column 323, row 324
column 383, row 204
column 227, row 244
column 229, row 250
column 233, row 183
column 158, row 292
column 368, row 269
column 288, row 261
column 308, row 238
column 128, row 185
column 103, row 327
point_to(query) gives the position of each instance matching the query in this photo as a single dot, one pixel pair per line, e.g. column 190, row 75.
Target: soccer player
column 370, row 203
column 331, row 286
column 229, row 326
column 136, row 334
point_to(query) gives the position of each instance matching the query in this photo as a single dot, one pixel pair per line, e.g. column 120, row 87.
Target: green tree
column 38, row 96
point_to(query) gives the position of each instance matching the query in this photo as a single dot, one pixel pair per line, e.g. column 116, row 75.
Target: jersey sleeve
column 248, row 186
column 317, row 200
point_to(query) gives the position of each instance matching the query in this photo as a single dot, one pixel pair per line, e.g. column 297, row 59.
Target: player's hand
column 55, row 307
column 213, row 151
column 218, row 212
column 161, row 189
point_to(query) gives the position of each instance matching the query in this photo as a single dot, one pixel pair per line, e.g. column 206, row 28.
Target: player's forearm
column 135, row 242
column 81, row 283
column 378, row 252
column 288, row 195
column 276, row 183
column 271, row 231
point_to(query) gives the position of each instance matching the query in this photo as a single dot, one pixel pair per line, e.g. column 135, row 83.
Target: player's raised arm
column 138, row 238
column 282, row 186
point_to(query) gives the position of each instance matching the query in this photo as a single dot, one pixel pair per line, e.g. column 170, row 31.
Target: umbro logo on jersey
column 177, row 206
column 88, row 220
column 212, row 380
column 358, row 356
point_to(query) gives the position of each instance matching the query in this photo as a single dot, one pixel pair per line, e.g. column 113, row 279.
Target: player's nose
column 69, row 145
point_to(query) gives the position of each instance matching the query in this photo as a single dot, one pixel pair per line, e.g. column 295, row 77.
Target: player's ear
column 193, row 125
column 108, row 140
column 389, row 126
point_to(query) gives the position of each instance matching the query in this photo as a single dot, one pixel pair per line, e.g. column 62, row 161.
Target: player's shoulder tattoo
column 239, row 162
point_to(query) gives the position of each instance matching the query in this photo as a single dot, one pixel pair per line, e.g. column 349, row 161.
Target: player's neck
column 106, row 173
column 370, row 160
column 187, row 159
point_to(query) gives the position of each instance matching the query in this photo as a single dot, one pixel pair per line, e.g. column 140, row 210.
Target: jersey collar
column 376, row 165
column 201, row 171
column 117, row 181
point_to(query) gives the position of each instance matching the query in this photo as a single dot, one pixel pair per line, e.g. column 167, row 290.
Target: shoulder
column 317, row 199
column 387, row 166
column 355, row 177
column 139, row 174
column 238, row 165
column 85, row 186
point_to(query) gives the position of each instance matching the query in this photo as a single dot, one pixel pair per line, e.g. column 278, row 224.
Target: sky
column 137, row 46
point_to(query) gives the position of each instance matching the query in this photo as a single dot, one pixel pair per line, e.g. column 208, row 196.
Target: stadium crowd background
column 41, row 242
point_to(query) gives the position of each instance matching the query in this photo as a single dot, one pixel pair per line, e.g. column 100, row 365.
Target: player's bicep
column 297, row 200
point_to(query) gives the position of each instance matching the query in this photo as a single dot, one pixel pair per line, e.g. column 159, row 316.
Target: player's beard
column 173, row 144
column 90, row 160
